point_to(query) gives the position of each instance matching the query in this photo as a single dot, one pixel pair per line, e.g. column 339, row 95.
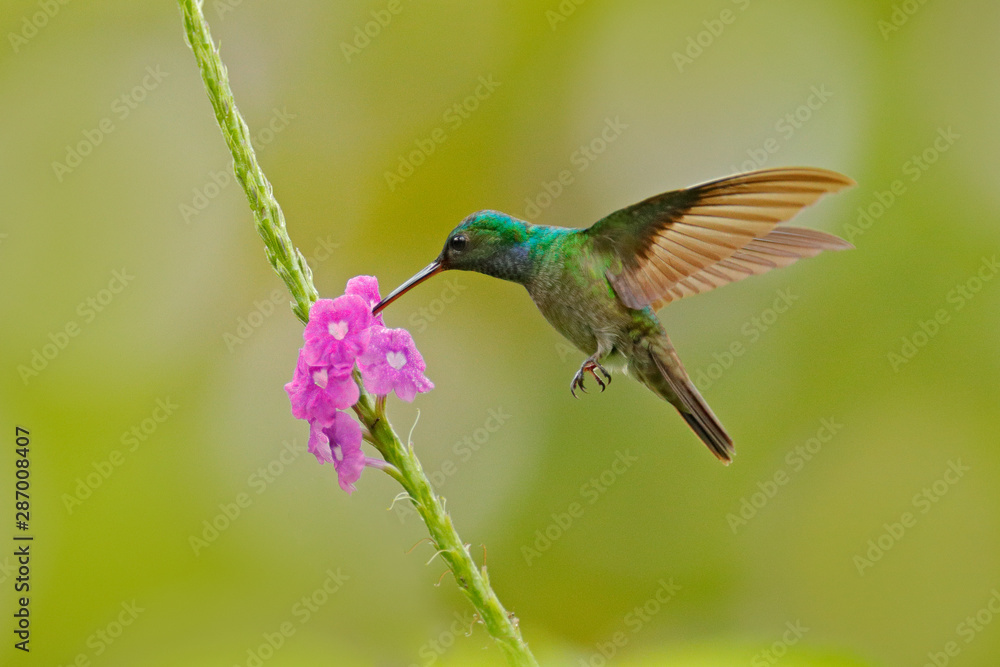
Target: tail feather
column 671, row 381
column 711, row 433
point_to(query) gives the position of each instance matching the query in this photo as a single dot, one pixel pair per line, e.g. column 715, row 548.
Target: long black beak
column 431, row 269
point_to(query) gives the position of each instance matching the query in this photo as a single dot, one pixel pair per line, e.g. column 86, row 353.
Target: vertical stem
column 286, row 259
column 473, row 581
column 291, row 266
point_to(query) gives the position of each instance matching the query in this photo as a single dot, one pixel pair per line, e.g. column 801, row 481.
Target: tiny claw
column 590, row 366
column 596, row 377
column 577, row 383
column 607, row 375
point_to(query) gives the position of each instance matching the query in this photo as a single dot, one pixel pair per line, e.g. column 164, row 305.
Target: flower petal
column 345, row 447
column 337, row 331
column 342, row 392
column 367, row 288
column 319, row 443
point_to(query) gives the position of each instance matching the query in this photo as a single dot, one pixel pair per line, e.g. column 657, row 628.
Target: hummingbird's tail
column 663, row 373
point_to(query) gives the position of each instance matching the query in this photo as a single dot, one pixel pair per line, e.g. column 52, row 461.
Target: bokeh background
column 838, row 537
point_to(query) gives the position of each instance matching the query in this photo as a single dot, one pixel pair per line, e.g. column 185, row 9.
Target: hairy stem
column 286, row 259
column 293, row 269
column 473, row 581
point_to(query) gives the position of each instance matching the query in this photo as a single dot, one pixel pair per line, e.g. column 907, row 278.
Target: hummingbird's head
column 487, row 242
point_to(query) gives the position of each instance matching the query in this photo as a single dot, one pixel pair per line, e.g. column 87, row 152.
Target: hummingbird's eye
column 457, row 242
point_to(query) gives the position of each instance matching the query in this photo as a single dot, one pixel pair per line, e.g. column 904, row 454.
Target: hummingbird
column 601, row 286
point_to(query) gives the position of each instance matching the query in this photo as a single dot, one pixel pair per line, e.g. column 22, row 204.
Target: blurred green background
column 838, row 537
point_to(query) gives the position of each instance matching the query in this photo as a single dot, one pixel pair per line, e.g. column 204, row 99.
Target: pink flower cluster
column 342, row 333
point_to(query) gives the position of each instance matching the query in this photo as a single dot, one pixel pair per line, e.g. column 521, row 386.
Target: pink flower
column 392, row 363
column 317, row 392
column 341, row 333
column 340, row 444
column 367, row 288
column 337, row 332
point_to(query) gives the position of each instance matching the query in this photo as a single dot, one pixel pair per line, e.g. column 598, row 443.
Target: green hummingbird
column 600, row 287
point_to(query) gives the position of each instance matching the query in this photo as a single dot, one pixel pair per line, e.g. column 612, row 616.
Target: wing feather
column 689, row 241
column 782, row 247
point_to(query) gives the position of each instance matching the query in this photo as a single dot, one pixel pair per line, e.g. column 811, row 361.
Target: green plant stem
column 293, row 269
column 286, row 259
column 473, row 581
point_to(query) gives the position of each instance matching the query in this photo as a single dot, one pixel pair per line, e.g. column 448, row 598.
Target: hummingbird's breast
column 571, row 290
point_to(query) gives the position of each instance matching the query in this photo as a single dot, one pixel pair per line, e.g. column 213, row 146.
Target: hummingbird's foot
column 605, row 373
column 589, row 366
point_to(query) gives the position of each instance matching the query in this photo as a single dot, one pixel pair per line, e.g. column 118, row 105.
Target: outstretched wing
column 690, row 241
column 783, row 246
